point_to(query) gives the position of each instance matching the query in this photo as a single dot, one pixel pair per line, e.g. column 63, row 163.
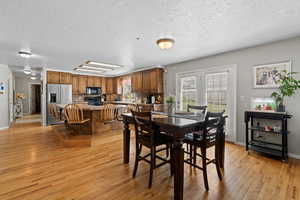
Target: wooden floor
column 33, row 166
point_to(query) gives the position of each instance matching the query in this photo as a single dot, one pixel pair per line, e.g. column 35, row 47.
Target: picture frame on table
column 264, row 75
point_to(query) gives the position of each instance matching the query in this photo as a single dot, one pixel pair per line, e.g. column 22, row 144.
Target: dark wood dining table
column 175, row 126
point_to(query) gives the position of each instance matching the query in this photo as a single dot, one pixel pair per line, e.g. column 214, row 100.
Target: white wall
column 245, row 60
column 6, row 77
column 23, row 85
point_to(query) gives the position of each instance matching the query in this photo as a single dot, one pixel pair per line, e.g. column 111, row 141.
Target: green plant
column 287, row 86
column 170, row 100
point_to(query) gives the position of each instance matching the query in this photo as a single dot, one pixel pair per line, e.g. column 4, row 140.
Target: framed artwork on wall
column 264, row 75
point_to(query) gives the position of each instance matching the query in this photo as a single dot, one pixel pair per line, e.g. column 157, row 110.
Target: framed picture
column 264, row 75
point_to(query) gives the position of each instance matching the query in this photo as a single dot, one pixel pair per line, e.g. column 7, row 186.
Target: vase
column 280, row 108
column 170, row 108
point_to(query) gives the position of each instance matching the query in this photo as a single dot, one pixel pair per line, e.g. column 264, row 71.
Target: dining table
column 176, row 126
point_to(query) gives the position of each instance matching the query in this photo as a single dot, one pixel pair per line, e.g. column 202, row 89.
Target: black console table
column 274, row 149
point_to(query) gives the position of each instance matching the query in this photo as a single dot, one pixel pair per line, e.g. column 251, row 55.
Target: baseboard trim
column 291, row 155
column 4, row 128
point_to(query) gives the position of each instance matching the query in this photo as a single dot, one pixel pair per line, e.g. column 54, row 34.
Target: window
column 188, row 92
column 216, row 92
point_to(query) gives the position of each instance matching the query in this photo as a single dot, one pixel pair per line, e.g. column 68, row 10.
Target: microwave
column 93, row 90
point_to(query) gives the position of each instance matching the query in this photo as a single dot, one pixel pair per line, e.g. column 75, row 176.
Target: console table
column 266, row 147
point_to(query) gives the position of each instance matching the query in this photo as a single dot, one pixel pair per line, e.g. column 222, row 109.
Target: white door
column 214, row 87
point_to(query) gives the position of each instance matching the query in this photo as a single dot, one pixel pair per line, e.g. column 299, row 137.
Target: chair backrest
column 132, row 108
column 158, row 107
column 143, row 124
column 198, row 108
column 108, row 113
column 53, row 110
column 145, row 107
column 73, row 113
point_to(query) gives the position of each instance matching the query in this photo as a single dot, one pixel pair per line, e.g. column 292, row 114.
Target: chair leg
column 167, row 151
column 137, row 155
column 191, row 153
column 151, row 167
column 217, row 160
column 195, row 154
column 203, row 153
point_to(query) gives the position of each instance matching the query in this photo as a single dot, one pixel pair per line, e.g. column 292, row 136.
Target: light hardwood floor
column 33, row 166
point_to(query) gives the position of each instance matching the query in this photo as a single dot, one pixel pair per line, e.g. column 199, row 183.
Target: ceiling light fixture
column 33, row 77
column 102, row 64
column 25, row 54
column 165, row 43
column 27, row 70
column 88, row 70
column 95, row 68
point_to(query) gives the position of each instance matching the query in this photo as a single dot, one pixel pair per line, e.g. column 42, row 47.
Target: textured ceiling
column 63, row 34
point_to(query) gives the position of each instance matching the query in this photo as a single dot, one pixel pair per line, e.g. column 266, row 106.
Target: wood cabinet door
column 82, row 84
column 109, row 86
column 103, row 85
column 146, row 88
column 53, row 77
column 90, row 81
column 156, row 81
column 65, row 78
column 75, row 84
column 137, row 82
column 97, row 81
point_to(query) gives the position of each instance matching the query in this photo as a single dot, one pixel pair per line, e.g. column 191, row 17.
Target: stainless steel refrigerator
column 57, row 94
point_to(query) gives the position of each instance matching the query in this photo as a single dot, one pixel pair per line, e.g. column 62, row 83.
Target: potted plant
column 170, row 100
column 287, row 87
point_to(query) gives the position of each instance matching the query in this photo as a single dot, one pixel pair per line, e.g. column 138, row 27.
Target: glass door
column 214, row 87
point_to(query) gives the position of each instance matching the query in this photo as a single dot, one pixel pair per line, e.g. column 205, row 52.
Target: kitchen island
column 93, row 113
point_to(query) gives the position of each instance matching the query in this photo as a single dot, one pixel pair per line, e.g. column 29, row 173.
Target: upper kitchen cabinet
column 118, row 85
column 109, row 85
column 103, row 85
column 82, row 84
column 157, row 81
column 59, row 77
column 53, row 77
column 65, row 78
column 75, row 84
column 147, row 81
column 137, row 82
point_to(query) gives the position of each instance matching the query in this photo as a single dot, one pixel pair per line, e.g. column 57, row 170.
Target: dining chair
column 74, row 117
column 197, row 108
column 145, row 107
column 209, row 136
column 146, row 135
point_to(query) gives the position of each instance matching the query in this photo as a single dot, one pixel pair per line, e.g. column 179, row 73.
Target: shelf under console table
column 266, row 147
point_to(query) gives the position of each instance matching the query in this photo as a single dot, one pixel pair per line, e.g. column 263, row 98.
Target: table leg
column 93, row 121
column 126, row 142
column 222, row 150
column 178, row 154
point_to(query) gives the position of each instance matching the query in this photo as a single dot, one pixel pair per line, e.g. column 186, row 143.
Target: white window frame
column 201, row 84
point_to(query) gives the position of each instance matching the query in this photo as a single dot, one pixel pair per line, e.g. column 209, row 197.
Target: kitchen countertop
column 126, row 103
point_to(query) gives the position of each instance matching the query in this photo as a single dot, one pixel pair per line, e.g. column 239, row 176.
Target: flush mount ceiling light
column 25, row 54
column 98, row 68
column 33, row 77
column 27, row 70
column 102, row 64
column 88, row 70
column 165, row 43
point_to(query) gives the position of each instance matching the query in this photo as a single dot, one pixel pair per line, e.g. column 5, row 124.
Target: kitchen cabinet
column 82, row 84
column 65, row 78
column 97, row 81
column 137, row 82
column 117, row 85
column 103, row 85
column 156, row 81
column 53, row 77
column 109, row 85
column 75, row 84
column 146, row 82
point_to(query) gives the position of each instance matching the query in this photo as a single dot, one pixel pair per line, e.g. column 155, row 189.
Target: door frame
column 29, row 96
column 233, row 72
